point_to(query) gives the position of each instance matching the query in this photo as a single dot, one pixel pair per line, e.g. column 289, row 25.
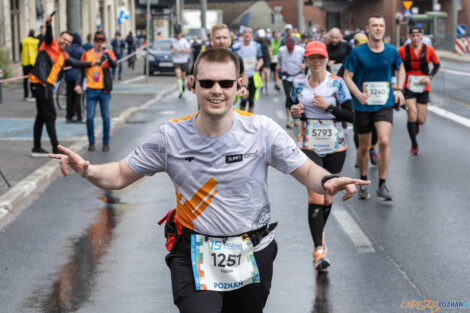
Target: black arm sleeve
column 112, row 63
column 76, row 63
column 435, row 69
column 48, row 36
column 344, row 112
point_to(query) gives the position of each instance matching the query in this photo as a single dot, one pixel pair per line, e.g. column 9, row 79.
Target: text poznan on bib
column 223, row 265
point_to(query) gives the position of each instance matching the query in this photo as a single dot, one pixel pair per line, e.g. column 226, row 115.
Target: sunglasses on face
column 207, row 83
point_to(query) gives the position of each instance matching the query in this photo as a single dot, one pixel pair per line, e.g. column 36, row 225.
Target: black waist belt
column 255, row 235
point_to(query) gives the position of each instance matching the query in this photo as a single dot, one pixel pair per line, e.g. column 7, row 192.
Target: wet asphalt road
column 80, row 249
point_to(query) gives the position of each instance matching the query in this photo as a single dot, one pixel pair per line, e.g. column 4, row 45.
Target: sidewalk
column 28, row 175
column 448, row 55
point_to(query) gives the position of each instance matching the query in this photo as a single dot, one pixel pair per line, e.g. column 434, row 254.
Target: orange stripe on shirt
column 188, row 211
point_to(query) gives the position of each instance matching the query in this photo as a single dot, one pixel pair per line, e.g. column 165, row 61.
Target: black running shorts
column 332, row 162
column 364, row 121
column 248, row 299
column 421, row 98
column 182, row 66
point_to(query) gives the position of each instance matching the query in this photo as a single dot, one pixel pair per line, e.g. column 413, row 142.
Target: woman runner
column 323, row 101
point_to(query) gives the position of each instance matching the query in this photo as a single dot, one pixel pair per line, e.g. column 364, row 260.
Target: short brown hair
column 218, row 55
column 374, row 15
column 217, row 27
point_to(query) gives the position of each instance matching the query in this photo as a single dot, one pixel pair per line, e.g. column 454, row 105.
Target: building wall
column 90, row 10
column 261, row 16
column 289, row 13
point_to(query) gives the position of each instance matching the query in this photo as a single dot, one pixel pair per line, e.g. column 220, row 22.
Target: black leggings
column 251, row 95
column 248, row 299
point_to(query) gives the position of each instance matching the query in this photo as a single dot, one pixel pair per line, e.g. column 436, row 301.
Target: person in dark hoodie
column 99, row 85
column 71, row 76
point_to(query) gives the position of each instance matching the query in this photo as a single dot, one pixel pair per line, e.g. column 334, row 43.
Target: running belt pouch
column 173, row 230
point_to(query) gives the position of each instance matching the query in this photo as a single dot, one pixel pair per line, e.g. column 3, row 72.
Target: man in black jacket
column 52, row 58
column 99, row 83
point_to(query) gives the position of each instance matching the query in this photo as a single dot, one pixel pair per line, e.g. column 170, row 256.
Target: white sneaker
column 290, row 124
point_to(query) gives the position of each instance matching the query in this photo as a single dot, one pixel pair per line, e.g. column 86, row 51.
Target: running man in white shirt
column 291, row 64
column 181, row 49
column 208, row 156
column 252, row 55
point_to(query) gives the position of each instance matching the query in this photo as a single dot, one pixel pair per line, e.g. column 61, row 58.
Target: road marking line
column 280, row 115
column 133, row 79
column 276, row 99
column 449, row 115
column 352, row 229
column 167, row 112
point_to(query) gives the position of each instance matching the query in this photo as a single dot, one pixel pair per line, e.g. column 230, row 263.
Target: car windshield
column 162, row 45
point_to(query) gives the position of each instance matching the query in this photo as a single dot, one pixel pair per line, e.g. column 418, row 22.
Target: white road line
column 449, row 115
column 280, row 115
column 352, row 229
column 167, row 112
column 276, row 99
column 133, row 79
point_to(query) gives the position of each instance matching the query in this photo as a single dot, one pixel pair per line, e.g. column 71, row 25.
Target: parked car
column 160, row 57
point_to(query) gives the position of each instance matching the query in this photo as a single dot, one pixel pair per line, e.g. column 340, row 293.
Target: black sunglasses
column 207, row 83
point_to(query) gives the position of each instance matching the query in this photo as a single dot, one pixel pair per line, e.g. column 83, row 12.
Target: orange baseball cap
column 316, row 47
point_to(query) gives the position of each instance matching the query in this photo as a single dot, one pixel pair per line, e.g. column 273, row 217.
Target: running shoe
column 384, row 193
column 373, row 156
column 363, row 192
column 321, row 261
column 39, row 153
column 414, row 150
column 290, row 124
column 276, row 87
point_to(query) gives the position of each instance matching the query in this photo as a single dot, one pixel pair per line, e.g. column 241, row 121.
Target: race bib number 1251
column 223, row 264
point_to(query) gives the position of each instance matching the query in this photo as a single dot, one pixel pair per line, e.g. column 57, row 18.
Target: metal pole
column 300, row 17
column 203, row 14
column 398, row 35
column 74, row 19
column 5, row 179
column 178, row 12
column 148, row 44
column 454, row 22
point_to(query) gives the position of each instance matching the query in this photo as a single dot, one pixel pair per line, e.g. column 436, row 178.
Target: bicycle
column 60, row 96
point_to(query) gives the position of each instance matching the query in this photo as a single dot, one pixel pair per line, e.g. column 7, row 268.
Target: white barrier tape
column 69, row 67
column 454, row 72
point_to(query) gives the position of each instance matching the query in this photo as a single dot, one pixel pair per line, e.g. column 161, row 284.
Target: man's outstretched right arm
column 111, row 176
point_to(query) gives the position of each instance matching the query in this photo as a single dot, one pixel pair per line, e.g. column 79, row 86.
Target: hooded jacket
column 75, row 51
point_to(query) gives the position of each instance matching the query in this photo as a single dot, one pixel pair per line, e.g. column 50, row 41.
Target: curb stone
column 40, row 179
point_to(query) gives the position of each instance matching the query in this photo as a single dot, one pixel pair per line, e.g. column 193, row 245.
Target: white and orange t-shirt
column 221, row 183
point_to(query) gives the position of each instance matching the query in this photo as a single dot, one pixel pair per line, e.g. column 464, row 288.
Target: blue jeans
column 119, row 67
column 92, row 96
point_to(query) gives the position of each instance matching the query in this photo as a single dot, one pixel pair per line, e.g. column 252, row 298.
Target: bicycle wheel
column 61, row 95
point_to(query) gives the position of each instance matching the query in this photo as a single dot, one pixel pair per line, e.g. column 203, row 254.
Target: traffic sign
column 462, row 30
column 407, row 13
column 407, row 4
